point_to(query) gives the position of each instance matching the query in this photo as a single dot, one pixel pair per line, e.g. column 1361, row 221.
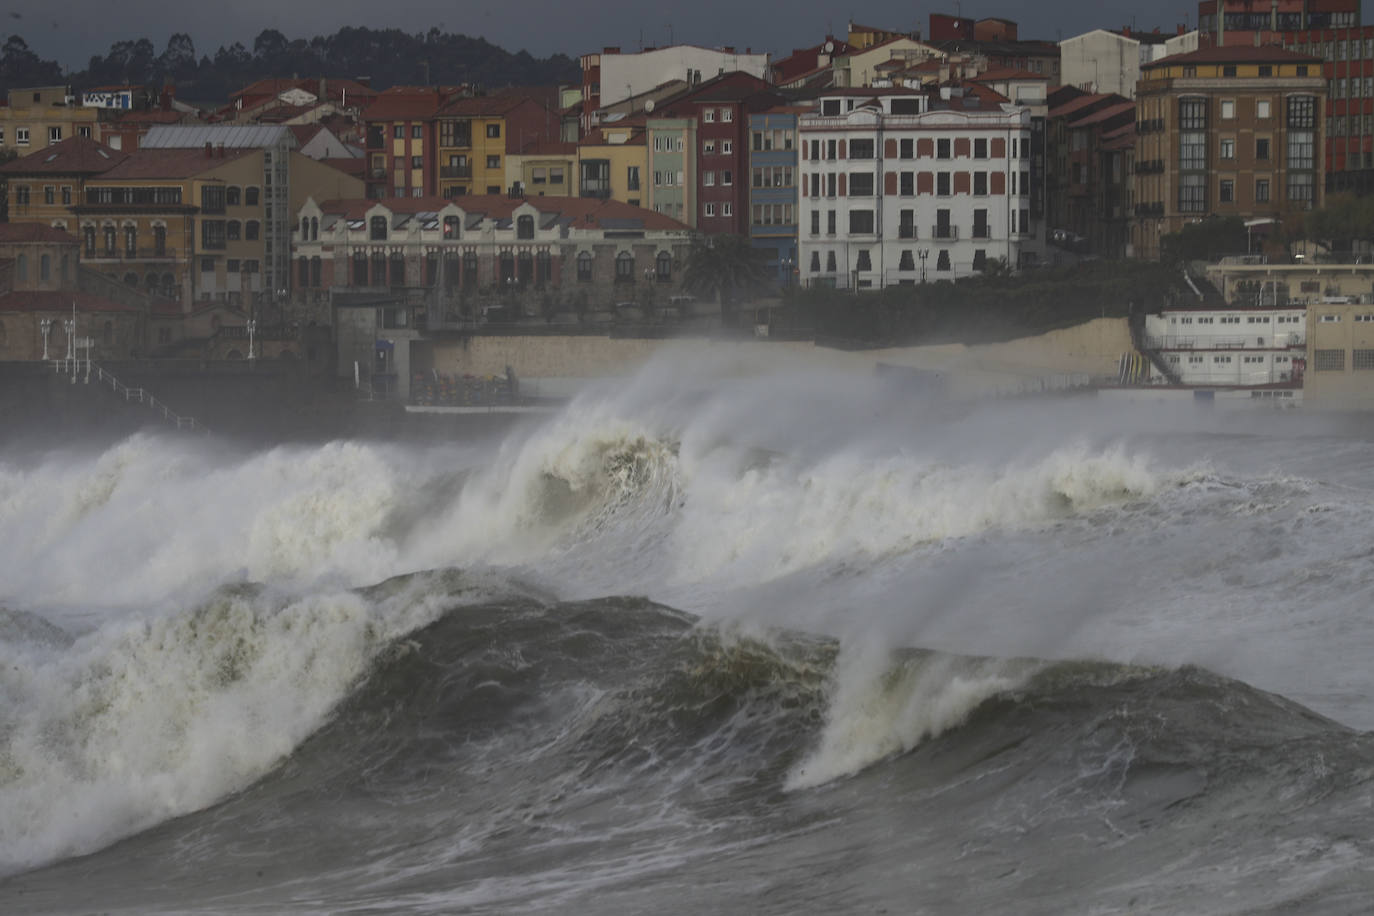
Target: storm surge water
column 789, row 640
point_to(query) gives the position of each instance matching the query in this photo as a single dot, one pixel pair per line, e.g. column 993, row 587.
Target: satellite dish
column 649, row 105
column 829, row 47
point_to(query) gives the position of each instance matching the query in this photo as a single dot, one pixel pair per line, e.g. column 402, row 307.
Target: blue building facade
column 773, row 178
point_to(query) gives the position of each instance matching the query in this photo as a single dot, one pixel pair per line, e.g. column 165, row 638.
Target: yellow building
column 43, row 186
column 478, row 135
column 38, row 118
column 549, row 169
column 613, row 161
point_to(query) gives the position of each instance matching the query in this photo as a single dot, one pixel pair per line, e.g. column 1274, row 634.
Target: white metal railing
column 76, row 366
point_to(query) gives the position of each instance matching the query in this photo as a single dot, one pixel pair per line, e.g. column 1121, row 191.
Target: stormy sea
column 779, row 642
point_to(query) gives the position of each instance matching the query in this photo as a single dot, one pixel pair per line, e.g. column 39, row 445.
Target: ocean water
column 800, row 641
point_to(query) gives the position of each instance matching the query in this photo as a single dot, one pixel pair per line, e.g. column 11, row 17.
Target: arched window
column 250, row 230
column 664, row 267
column 131, row 241
column 231, row 196
column 624, row 267
column 305, row 228
column 314, row 228
column 584, row 266
column 452, row 271
column 543, row 268
column 507, row 267
column 44, row 268
column 231, row 230
column 524, row 227
column 88, row 239
column 378, row 233
column 159, row 241
column 452, row 229
column 109, row 241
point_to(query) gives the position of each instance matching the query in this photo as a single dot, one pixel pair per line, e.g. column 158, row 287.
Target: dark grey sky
column 70, row 31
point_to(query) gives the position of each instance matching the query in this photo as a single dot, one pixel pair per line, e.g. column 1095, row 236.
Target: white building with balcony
column 1230, row 346
column 901, row 187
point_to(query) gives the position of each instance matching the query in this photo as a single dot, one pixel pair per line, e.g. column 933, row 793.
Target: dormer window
column 378, row 229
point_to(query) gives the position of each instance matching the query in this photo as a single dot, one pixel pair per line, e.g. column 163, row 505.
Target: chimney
column 1181, row 28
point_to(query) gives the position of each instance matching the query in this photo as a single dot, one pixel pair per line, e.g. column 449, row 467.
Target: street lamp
column 787, row 264
column 923, row 253
column 252, row 327
column 45, row 324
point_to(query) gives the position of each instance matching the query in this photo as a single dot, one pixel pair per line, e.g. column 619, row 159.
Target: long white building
column 1231, row 345
column 903, row 187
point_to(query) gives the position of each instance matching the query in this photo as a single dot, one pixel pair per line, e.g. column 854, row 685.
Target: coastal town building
column 388, row 274
column 612, row 162
column 1232, row 131
column 673, row 155
column 773, row 180
column 609, row 76
column 902, row 187
column 1340, row 372
column 45, row 309
column 1091, row 139
column 42, row 116
column 1103, row 61
column 402, row 141
column 1246, row 344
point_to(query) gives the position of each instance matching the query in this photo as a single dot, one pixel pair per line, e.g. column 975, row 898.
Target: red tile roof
column 59, row 300
column 1105, row 114
column 355, row 166
column 172, row 163
column 408, row 103
column 1009, row 73
column 11, row 233
column 73, row 156
column 1079, row 103
column 1236, row 54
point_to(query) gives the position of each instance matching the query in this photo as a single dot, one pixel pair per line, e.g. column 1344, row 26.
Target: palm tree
column 718, row 266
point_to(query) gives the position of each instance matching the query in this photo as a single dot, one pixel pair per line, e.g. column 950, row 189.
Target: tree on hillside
column 721, row 267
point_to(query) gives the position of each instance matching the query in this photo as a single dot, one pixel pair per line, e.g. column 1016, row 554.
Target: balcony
column 151, row 253
column 455, row 171
column 944, row 232
column 906, row 231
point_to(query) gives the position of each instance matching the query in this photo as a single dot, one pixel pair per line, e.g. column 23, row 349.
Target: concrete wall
column 1093, row 348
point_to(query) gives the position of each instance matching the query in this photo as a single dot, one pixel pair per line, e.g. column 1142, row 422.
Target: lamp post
column 923, row 253
column 252, row 328
column 45, row 325
column 787, row 264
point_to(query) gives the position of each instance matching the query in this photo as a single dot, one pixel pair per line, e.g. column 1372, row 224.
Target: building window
column 1362, row 359
column 54, row 135
column 524, row 227
column 1228, row 107
column 863, row 262
column 1261, row 190
column 980, row 183
column 815, row 222
column 1329, row 360
column 942, row 184
column 942, row 262
column 493, row 162
column 663, row 267
column 727, row 177
column 624, row 267
column 1262, row 148
column 632, row 178
column 861, row 222
column 861, row 148
column 708, row 179
column 584, row 267
column 1227, row 191
column 88, row 240
column 212, row 199
column 727, row 209
column 1301, row 188
column 1192, row 193
column 49, row 194
column 907, row 184
column 861, row 184
column 708, row 115
column 378, row 229
column 451, row 230
column 980, row 148
column 709, row 210
column 232, row 195
column 21, row 136
column 231, row 230
column 250, row 197
column 1301, row 149
column 1228, row 148
column 417, row 162
column 1262, row 108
